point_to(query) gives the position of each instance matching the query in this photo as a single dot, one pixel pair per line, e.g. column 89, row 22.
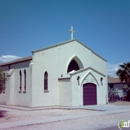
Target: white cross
column 72, row 32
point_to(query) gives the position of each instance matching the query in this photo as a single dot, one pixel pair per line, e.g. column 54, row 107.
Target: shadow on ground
column 2, row 113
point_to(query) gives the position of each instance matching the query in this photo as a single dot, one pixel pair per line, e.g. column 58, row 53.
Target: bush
column 3, row 79
column 128, row 95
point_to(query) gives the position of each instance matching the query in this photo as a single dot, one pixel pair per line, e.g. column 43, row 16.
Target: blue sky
column 102, row 25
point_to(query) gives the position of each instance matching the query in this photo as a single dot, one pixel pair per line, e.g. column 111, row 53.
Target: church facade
column 65, row 74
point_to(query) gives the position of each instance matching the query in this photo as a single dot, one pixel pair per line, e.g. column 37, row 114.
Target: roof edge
column 84, row 69
column 62, row 43
column 91, row 50
column 52, row 46
column 17, row 61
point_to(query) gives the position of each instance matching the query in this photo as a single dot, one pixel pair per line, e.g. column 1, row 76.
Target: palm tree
column 124, row 75
column 124, row 72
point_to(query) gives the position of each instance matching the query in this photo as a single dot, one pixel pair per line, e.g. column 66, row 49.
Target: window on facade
column 45, row 81
column 111, row 86
column 4, row 84
column 9, row 67
column 4, row 88
column 73, row 66
column 20, row 75
column 24, row 80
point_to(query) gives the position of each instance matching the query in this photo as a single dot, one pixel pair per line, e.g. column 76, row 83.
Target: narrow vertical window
column 4, row 82
column 20, row 75
column 45, row 81
column 25, row 80
column 9, row 67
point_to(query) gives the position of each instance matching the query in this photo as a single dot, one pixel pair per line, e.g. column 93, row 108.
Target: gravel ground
column 89, row 123
column 17, row 115
column 94, row 122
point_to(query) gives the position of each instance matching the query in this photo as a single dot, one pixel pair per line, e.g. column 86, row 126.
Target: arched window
column 73, row 66
column 20, row 75
column 46, row 81
column 24, row 80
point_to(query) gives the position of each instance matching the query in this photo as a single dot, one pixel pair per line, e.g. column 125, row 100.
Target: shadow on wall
column 2, row 113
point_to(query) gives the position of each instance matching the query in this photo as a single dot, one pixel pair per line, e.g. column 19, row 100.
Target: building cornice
column 17, row 61
column 88, row 68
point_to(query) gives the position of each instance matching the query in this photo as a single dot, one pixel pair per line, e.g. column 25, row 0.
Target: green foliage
column 124, row 74
column 3, row 79
column 128, row 96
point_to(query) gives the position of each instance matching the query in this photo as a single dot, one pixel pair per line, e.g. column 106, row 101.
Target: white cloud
column 112, row 69
column 8, row 58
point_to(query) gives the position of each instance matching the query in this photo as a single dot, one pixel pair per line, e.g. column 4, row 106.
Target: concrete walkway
column 107, row 107
column 104, row 110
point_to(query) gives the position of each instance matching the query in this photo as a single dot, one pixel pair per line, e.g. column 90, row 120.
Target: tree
column 3, row 79
column 124, row 74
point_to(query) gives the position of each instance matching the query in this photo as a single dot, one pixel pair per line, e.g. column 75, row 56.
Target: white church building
column 65, row 74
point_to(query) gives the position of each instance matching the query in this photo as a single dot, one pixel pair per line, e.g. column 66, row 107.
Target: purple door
column 89, row 94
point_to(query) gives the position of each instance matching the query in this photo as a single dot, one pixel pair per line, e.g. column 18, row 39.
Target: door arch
column 89, row 94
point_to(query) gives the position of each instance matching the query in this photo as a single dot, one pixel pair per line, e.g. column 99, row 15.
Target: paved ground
column 113, row 128
column 81, row 123
column 108, row 107
column 101, row 117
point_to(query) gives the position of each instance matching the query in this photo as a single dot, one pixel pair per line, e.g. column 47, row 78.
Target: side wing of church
column 66, row 74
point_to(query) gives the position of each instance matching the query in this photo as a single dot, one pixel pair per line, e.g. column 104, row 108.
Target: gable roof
column 84, row 69
column 17, row 61
column 59, row 44
column 62, row 43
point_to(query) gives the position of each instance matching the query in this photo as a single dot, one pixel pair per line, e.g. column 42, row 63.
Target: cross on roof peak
column 72, row 32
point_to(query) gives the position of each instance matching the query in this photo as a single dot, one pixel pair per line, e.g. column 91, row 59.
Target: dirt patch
column 121, row 103
column 2, row 113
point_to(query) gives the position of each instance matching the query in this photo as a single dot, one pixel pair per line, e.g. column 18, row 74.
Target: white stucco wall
column 46, row 60
column 65, row 92
column 88, row 76
column 12, row 95
column 55, row 61
column 66, row 53
column 22, row 98
column 3, row 98
column 10, row 90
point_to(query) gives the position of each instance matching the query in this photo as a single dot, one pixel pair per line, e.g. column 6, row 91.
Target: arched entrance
column 89, row 94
